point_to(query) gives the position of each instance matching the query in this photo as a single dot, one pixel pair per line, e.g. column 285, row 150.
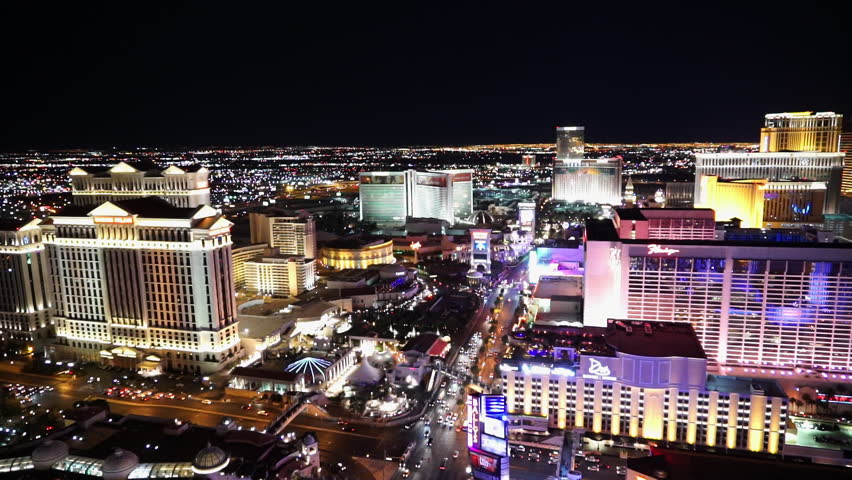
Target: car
column 593, row 468
column 429, row 442
column 206, row 401
column 247, row 407
column 456, row 454
column 521, row 448
column 406, row 473
column 418, row 464
column 444, row 463
column 263, row 413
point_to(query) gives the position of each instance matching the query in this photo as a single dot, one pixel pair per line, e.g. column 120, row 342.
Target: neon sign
column 655, row 249
column 597, row 368
column 473, row 421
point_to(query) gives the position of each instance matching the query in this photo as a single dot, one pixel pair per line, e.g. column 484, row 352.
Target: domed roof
column 49, row 453
column 474, row 274
column 210, row 460
column 119, row 464
column 480, row 217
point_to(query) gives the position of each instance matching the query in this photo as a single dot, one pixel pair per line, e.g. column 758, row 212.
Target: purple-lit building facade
column 784, row 306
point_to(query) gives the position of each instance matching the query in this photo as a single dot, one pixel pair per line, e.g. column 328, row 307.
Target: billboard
column 494, row 445
column 487, row 436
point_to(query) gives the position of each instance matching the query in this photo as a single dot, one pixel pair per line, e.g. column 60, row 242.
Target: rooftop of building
column 422, row 343
column 653, row 339
column 540, row 341
column 686, row 465
column 151, row 440
column 354, row 242
column 651, row 213
column 558, row 286
column 281, row 258
column 148, row 167
column 744, row 386
column 266, row 373
column 352, row 275
column 605, row 231
column 145, row 207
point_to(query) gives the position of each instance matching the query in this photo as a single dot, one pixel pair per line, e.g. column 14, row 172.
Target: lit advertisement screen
column 484, row 462
column 493, row 426
column 494, row 445
column 480, row 245
column 494, row 405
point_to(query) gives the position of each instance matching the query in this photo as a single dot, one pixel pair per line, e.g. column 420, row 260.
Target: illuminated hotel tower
column 576, row 179
column 801, row 132
column 143, row 284
column 846, row 148
column 24, row 289
column 182, row 187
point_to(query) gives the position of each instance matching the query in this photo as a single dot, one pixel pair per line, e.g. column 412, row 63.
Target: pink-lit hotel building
column 781, row 306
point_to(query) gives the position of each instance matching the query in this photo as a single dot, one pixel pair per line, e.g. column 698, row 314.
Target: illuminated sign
column 473, row 427
column 201, row 184
column 495, row 445
column 484, row 462
column 847, row 399
column 114, row 220
column 480, row 245
column 655, row 249
column 493, row 426
column 480, row 235
column 494, row 405
column 508, row 368
column 597, row 368
column 461, row 177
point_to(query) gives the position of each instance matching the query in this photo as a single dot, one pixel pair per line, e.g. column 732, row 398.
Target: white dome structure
column 119, row 465
column 481, row 217
column 48, row 454
column 210, row 460
column 366, row 374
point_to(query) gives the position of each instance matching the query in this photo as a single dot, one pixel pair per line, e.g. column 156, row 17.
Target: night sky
column 193, row 75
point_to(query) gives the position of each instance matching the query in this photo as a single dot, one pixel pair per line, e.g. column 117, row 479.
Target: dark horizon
column 105, row 75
